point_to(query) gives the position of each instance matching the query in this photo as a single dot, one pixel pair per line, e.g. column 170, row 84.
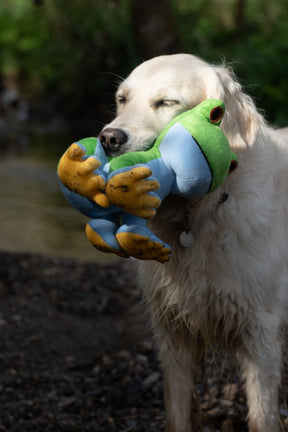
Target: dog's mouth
column 129, row 147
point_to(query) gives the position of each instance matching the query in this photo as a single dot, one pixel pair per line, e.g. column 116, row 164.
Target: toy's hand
column 130, row 189
column 77, row 174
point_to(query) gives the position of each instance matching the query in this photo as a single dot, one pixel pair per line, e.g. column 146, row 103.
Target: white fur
column 230, row 289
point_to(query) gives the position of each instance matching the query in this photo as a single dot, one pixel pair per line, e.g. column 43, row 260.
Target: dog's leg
column 179, row 357
column 261, row 368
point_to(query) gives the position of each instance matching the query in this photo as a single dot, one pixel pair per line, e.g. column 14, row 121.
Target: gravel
column 76, row 354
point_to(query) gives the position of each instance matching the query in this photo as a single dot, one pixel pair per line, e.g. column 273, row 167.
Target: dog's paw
column 142, row 247
column 132, row 191
column 77, row 173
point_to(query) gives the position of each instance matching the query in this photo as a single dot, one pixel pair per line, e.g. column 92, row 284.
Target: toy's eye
column 233, row 165
column 216, row 114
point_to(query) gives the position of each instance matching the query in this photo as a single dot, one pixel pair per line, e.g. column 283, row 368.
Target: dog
column 228, row 288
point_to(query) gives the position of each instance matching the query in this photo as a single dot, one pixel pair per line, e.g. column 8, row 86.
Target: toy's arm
column 131, row 189
column 82, row 204
column 77, row 174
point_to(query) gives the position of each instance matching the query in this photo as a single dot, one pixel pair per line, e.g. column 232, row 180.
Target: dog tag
column 186, row 238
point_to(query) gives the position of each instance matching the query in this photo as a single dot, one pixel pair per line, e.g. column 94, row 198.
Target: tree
column 154, row 28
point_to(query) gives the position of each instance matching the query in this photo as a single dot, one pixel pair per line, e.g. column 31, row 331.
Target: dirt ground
column 76, row 354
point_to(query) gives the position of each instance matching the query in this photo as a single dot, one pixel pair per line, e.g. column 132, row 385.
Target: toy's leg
column 101, row 233
column 139, row 242
column 81, row 174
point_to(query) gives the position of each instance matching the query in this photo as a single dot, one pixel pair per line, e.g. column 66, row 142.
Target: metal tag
column 186, row 238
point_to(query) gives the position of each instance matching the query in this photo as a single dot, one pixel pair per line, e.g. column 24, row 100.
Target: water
column 35, row 216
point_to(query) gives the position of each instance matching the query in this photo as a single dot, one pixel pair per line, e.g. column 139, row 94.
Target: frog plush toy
column 190, row 158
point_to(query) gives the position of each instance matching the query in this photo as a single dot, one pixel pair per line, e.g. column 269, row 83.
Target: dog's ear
column 242, row 121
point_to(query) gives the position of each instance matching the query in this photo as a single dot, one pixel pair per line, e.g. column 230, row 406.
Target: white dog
column 229, row 287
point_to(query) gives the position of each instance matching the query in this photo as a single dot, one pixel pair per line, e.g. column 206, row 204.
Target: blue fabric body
column 191, row 175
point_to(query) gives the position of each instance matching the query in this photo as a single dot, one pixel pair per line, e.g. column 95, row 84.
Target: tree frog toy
column 190, row 158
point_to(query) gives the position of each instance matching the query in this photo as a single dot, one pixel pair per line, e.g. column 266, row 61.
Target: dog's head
column 163, row 87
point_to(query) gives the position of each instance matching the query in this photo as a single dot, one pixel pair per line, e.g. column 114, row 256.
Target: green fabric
column 209, row 137
column 134, row 158
column 90, row 145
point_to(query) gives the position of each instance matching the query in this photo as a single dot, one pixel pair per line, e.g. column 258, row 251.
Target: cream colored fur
column 230, row 288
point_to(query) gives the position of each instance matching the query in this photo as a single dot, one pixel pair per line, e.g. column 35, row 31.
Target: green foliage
column 64, row 47
column 67, row 47
column 256, row 46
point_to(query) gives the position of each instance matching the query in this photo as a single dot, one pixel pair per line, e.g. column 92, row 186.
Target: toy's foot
column 77, row 173
column 141, row 246
column 131, row 191
column 101, row 234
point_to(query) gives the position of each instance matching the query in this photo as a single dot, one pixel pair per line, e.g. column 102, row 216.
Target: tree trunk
column 154, row 28
column 240, row 14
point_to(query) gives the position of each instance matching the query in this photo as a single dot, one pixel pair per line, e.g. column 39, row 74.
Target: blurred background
column 60, row 63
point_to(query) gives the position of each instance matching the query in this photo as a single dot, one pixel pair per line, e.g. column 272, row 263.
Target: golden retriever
column 229, row 287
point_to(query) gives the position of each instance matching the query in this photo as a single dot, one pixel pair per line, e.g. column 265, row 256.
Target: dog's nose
column 112, row 139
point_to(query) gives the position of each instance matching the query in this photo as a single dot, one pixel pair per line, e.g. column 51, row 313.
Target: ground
column 76, row 354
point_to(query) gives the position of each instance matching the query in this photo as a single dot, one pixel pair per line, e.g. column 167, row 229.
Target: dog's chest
column 216, row 282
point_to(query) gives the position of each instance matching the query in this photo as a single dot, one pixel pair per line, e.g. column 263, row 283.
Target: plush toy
column 190, row 158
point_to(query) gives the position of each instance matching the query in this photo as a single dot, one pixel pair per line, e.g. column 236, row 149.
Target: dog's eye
column 165, row 103
column 121, row 99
